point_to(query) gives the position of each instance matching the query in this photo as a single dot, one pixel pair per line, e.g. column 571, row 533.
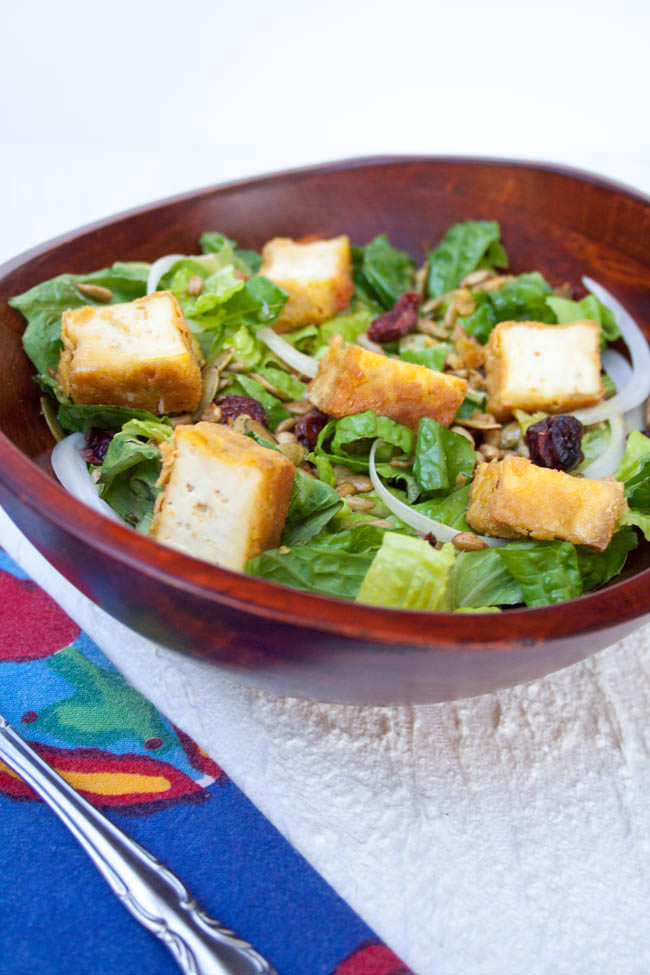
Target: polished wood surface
column 563, row 223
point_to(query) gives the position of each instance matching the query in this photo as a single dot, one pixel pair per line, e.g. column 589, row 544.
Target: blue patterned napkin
column 58, row 916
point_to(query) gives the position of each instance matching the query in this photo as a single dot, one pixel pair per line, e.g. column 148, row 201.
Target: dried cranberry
column 399, row 321
column 555, row 442
column 232, row 406
column 646, row 433
column 431, row 539
column 97, row 444
column 309, row 426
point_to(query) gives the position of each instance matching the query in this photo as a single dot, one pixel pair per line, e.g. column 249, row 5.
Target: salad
column 452, row 436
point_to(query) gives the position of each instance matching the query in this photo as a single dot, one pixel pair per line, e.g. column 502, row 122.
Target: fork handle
column 152, row 893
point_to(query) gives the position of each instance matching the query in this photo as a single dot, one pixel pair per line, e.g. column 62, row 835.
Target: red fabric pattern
column 31, row 624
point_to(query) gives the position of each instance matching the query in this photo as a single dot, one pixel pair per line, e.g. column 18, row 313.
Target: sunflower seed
column 360, row 504
column 194, row 286
column 468, row 542
column 96, row 291
column 287, row 424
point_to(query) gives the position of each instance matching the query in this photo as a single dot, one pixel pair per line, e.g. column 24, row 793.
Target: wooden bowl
column 561, row 222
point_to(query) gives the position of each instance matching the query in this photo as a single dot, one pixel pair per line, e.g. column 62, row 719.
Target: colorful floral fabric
column 58, row 916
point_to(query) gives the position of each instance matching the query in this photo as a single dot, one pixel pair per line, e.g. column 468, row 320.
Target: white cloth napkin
column 508, row 833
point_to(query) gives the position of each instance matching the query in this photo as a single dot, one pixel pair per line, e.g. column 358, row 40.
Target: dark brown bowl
column 559, row 221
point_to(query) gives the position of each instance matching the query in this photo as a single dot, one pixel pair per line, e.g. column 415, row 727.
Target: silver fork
column 152, row 893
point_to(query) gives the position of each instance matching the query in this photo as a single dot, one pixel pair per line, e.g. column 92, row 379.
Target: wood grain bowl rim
column 617, row 604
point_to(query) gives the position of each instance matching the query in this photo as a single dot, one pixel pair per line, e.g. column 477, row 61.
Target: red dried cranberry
column 309, row 426
column 399, row 321
column 97, row 444
column 555, row 442
column 431, row 539
column 232, row 406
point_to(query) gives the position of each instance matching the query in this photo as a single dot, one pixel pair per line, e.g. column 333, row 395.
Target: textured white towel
column 508, row 833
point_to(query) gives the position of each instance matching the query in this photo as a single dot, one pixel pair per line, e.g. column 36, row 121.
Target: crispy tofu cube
column 351, row 379
column 530, row 366
column 514, row 498
column 317, row 277
column 224, row 498
column 137, row 354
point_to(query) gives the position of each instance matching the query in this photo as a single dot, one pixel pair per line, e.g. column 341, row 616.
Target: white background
column 471, row 844
column 105, row 107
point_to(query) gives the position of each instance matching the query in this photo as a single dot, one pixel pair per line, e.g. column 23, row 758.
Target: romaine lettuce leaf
column 634, row 470
column 313, row 504
column 450, row 509
column 213, row 242
column 433, row 357
column 441, row 457
column 82, row 418
column 381, row 272
column 524, row 299
column 464, row 248
column 639, row 519
column 597, row 568
column 351, row 438
column 324, row 566
column 590, row 307
column 483, row 579
column 243, row 385
column 128, row 478
column 592, row 444
column 548, row 572
column 408, row 573
column 44, row 304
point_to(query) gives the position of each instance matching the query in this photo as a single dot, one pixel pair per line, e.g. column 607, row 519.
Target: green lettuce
column 634, row 470
column 313, row 504
column 464, row 248
column 548, row 572
column 243, row 385
column 443, row 459
column 408, row 573
column 129, row 474
column 592, row 444
column 433, row 357
column 82, row 418
column 524, row 299
column 450, row 509
column 381, row 273
column 482, row 579
column 247, row 261
column 44, row 304
column 348, row 441
column 334, row 565
column 591, row 308
column 597, row 568
column 638, row 519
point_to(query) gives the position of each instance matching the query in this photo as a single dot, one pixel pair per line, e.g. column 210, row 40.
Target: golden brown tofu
column 351, row 379
column 137, row 354
column 515, row 498
column 531, row 366
column 224, row 498
column 317, row 276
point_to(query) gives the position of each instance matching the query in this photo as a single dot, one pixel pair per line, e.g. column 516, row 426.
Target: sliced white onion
column 306, row 365
column 159, row 268
column 606, row 464
column 71, row 470
column 617, row 367
column 415, row 519
column 637, row 389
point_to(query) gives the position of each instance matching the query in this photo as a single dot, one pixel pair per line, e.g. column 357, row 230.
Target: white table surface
column 504, row 834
